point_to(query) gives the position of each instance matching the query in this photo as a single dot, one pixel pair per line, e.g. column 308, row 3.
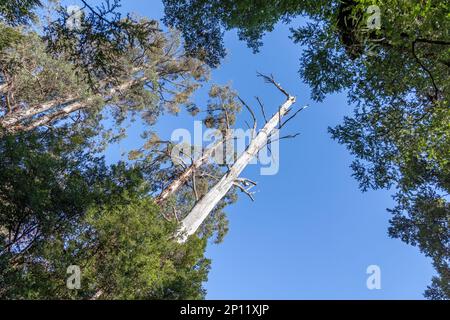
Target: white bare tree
column 201, row 210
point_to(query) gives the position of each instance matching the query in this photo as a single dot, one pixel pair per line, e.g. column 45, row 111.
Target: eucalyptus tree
column 60, row 205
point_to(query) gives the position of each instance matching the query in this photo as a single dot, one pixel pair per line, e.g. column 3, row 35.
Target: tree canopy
column 396, row 75
column 16, row 12
column 61, row 205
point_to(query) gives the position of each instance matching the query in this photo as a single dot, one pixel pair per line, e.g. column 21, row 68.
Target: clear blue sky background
column 311, row 233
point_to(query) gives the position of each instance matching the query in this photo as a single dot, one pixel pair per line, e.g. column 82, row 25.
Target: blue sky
column 311, row 233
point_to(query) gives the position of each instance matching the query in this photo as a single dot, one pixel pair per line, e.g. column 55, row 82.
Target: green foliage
column 124, row 250
column 8, row 36
column 38, row 76
column 400, row 128
column 61, row 207
column 136, row 258
column 114, row 66
column 46, row 186
column 203, row 22
column 398, row 78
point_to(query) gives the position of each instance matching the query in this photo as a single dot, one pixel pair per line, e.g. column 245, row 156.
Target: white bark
column 187, row 174
column 203, row 208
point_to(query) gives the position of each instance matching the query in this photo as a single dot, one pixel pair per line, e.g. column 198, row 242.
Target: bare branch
column 246, row 191
column 271, row 80
column 262, row 109
column 227, row 118
column 194, row 186
column 246, row 182
column 97, row 295
column 166, row 217
column 205, row 174
column 290, row 136
column 62, row 108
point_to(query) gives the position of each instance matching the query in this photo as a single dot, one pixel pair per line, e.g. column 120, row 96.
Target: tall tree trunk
column 206, row 204
column 28, row 119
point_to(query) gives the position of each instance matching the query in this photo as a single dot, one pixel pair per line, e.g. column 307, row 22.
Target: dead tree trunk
column 187, row 174
column 206, row 204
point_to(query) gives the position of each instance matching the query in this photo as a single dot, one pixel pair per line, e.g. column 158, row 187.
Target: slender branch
column 227, row 118
column 165, row 217
column 290, row 136
column 101, row 16
column 293, row 116
column 262, row 109
column 185, row 175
